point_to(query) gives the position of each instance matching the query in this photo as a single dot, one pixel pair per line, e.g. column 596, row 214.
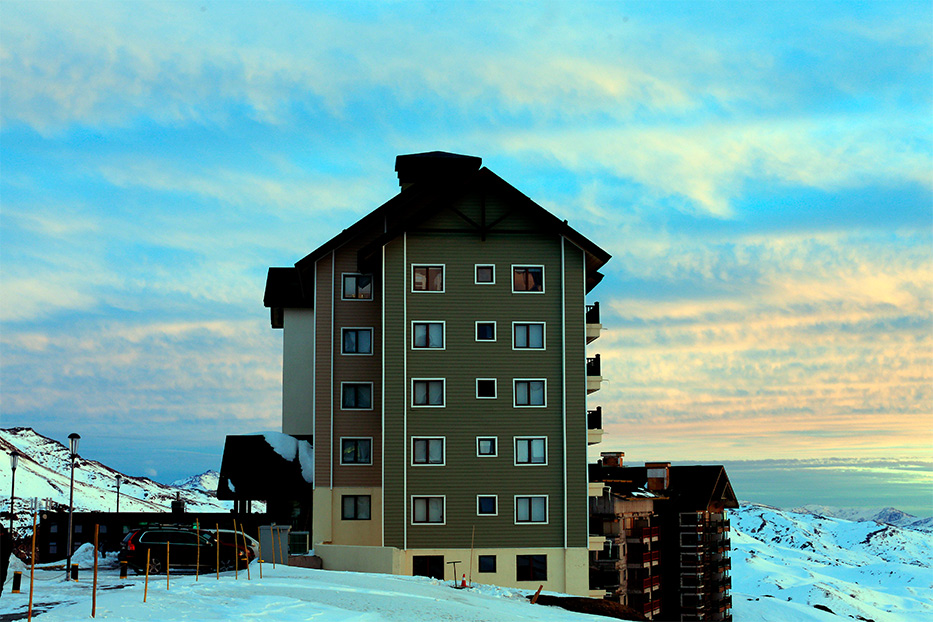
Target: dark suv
column 182, row 548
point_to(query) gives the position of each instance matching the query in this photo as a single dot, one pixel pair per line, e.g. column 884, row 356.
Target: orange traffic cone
column 463, row 581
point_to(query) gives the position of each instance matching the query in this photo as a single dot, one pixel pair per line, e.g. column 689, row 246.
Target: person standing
column 6, row 549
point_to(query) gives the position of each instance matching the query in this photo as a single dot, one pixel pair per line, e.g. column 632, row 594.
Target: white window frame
column 443, row 288
column 515, row 461
column 443, row 509
column 372, row 286
column 495, row 331
column 547, row 513
column 543, row 336
column 495, row 453
column 477, row 266
column 515, row 382
column 496, row 513
column 443, row 394
column 527, row 265
column 371, row 397
column 495, row 389
column 358, row 328
column 442, row 439
column 356, row 438
column 443, row 324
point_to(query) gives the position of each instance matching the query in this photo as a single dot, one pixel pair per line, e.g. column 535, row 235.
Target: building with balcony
column 434, row 353
column 666, row 538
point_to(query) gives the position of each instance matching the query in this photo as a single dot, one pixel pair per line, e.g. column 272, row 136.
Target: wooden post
column 94, row 584
column 32, row 562
column 472, row 539
column 245, row 550
column 146, row 588
column 197, row 563
column 272, row 533
column 236, row 558
column 534, row 598
column 259, row 550
column 217, row 546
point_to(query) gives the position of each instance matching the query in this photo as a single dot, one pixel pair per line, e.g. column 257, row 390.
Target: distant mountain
column 808, row 564
column 206, row 482
column 889, row 516
column 44, row 472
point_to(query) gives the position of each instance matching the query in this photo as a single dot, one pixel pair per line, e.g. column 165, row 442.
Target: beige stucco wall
column 567, row 569
column 297, row 371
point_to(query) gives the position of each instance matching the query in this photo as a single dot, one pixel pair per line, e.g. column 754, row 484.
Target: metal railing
column 592, row 313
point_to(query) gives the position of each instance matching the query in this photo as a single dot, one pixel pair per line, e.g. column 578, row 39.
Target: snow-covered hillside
column 783, row 560
column 44, row 472
column 890, row 516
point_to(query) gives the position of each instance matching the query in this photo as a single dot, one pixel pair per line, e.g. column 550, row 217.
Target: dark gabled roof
column 252, row 469
column 439, row 178
column 691, row 487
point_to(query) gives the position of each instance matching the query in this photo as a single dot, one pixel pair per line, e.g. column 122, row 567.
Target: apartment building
column 435, row 353
column 667, row 550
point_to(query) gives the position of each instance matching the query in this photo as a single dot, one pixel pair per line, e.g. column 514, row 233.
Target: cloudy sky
column 762, row 174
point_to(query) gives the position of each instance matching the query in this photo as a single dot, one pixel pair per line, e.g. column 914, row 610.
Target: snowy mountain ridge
column 889, row 516
column 44, row 472
column 838, row 568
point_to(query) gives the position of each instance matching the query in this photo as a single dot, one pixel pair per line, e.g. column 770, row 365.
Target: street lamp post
column 119, row 478
column 73, row 442
column 14, row 460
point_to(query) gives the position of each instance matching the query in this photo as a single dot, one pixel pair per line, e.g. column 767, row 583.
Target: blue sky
column 760, row 172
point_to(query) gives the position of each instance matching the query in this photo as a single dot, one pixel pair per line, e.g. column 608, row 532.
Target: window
column 356, row 507
column 427, row 278
column 527, row 278
column 528, row 335
column 531, row 509
column 530, row 393
column 486, row 446
column 427, row 451
column 357, row 287
column 485, row 274
column 53, row 528
column 78, row 528
column 427, row 392
column 486, row 505
column 485, row 388
column 427, row 335
column 530, row 450
column 427, row 510
column 356, row 395
column 53, row 547
column 356, row 451
column 485, row 331
column 531, row 567
column 487, row 563
column 357, row 341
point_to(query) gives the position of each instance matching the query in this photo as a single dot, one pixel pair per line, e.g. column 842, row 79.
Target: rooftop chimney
column 659, row 475
column 434, row 167
column 612, row 458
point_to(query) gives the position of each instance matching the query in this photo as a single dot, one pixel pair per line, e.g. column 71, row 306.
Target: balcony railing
column 594, row 419
column 592, row 313
column 592, row 366
column 648, row 558
column 643, row 534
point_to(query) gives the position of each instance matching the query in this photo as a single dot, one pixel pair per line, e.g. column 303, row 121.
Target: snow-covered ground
column 283, row 594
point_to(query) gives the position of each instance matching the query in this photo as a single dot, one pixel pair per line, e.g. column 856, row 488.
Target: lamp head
column 73, row 439
column 14, row 460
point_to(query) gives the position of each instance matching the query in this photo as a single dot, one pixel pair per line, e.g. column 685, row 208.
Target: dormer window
column 357, row 287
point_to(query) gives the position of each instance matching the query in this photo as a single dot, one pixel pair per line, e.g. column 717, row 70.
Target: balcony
column 644, row 560
column 594, row 377
column 594, row 425
column 593, row 327
column 644, row 586
column 644, row 534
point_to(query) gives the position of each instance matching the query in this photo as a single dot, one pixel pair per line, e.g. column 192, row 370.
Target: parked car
column 228, row 536
column 182, row 548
